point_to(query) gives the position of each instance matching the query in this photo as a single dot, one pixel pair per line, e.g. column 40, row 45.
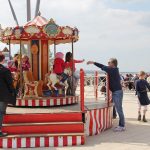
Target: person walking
column 7, row 92
column 141, row 87
column 115, row 87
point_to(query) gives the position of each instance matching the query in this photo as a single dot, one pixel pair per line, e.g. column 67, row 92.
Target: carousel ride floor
column 90, row 103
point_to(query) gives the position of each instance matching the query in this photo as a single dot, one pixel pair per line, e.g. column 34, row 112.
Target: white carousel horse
column 53, row 79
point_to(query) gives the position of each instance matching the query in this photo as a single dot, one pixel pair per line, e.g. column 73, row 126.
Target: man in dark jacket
column 115, row 87
column 7, row 92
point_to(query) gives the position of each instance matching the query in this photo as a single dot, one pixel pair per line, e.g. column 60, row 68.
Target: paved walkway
column 136, row 137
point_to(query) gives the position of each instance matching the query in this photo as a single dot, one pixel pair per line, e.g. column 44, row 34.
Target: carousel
column 35, row 122
column 40, row 86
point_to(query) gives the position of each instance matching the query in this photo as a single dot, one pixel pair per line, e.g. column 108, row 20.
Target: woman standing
column 7, row 92
column 70, row 63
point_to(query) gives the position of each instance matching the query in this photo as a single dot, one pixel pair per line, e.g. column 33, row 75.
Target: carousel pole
column 82, row 90
column 37, row 7
column 96, row 85
column 28, row 10
column 20, row 67
column 13, row 13
column 54, row 48
column 9, row 49
column 107, row 90
column 73, row 67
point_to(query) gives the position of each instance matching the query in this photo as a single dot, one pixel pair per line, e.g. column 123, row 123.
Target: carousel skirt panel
column 98, row 120
column 42, row 141
column 53, row 101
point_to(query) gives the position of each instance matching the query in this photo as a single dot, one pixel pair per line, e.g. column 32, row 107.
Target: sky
column 108, row 28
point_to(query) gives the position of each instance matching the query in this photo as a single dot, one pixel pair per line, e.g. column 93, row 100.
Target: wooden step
column 41, row 118
column 45, row 123
column 44, row 128
column 48, row 140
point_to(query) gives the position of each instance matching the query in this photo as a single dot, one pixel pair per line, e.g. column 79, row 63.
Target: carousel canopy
column 39, row 28
column 37, row 21
column 5, row 50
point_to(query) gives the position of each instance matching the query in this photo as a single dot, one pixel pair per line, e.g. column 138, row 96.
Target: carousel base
column 47, row 101
column 66, row 126
column 35, row 141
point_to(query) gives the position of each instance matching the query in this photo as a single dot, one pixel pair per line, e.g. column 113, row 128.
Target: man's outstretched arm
column 103, row 67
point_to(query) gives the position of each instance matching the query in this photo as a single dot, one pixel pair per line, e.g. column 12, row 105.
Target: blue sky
column 108, row 28
column 132, row 5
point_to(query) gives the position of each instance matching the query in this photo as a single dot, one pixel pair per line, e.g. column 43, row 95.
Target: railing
column 90, row 86
column 82, row 90
column 96, row 85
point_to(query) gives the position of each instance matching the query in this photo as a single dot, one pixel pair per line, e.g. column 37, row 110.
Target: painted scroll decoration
column 51, row 29
column 8, row 31
column 1, row 31
column 32, row 30
column 67, row 31
column 17, row 32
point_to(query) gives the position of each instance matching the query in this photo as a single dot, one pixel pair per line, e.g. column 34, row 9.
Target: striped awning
column 37, row 21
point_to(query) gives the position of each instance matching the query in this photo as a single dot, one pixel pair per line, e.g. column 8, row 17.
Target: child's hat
column 59, row 55
column 10, row 63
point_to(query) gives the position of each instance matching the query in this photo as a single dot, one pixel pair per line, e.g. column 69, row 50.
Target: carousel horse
column 53, row 79
column 28, row 80
column 16, row 79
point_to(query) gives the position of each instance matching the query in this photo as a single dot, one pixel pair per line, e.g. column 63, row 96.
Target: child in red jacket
column 59, row 66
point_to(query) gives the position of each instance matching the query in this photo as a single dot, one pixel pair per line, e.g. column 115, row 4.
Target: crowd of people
column 128, row 81
column 116, row 83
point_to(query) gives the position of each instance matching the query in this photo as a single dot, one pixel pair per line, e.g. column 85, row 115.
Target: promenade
column 136, row 137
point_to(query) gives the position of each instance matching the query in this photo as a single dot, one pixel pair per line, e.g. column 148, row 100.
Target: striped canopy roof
column 38, row 21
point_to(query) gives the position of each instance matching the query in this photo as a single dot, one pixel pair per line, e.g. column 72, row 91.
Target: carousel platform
column 47, row 101
column 55, row 126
